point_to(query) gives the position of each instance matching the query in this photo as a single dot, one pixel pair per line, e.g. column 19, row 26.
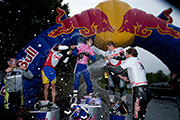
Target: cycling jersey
column 53, row 58
column 114, row 53
column 136, row 71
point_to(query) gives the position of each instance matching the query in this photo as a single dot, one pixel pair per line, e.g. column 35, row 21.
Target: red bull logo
column 136, row 108
column 142, row 24
column 89, row 22
column 166, row 15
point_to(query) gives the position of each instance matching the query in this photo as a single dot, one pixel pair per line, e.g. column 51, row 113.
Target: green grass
column 101, row 84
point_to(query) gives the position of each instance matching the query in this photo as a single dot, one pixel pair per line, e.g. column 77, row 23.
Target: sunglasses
column 12, row 61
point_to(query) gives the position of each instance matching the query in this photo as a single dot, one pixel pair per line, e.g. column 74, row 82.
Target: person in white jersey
column 113, row 58
column 138, row 81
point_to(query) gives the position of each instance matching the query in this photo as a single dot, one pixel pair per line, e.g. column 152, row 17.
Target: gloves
column 80, row 56
column 85, row 53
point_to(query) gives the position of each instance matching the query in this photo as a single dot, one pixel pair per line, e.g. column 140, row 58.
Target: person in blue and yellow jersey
column 48, row 72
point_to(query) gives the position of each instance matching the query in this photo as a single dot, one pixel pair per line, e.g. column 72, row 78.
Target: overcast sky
column 155, row 7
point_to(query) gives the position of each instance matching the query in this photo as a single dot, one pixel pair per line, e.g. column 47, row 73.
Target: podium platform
column 53, row 114
column 93, row 110
column 93, row 106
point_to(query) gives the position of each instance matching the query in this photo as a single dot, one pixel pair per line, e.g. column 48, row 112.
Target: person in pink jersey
column 48, row 72
column 83, row 53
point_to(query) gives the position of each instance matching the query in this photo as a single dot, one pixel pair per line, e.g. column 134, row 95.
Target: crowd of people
column 117, row 61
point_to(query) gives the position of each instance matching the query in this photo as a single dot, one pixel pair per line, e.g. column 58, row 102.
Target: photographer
column 175, row 84
column 13, row 79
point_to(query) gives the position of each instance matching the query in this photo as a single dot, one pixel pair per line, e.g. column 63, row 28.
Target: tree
column 21, row 21
column 157, row 77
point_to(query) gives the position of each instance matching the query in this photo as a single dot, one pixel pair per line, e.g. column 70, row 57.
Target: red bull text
column 31, row 54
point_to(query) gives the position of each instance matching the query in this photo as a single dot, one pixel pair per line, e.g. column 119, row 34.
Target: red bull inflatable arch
column 111, row 20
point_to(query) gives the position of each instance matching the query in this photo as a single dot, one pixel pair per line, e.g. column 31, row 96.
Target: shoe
column 87, row 96
column 53, row 105
column 90, row 95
